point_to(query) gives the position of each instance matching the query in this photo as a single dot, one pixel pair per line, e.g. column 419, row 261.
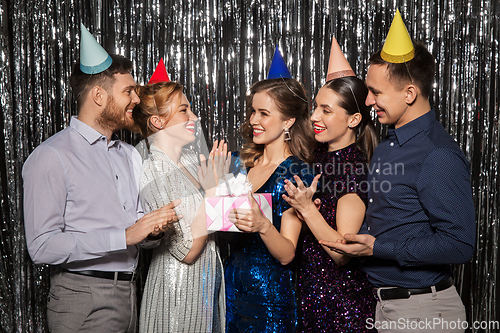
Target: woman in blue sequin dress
column 259, row 277
column 335, row 296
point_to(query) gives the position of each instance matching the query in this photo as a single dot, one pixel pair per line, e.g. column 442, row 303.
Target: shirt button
column 392, row 144
column 377, row 171
column 371, row 200
column 117, row 177
column 369, row 228
column 124, row 208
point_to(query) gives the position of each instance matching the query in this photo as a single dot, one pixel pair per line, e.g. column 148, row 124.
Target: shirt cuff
column 383, row 249
column 117, row 240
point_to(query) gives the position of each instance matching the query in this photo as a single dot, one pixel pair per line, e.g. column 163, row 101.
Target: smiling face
column 331, row 122
column 181, row 126
column 266, row 120
column 388, row 101
column 121, row 100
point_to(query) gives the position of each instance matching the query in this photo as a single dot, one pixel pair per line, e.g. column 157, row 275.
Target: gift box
column 217, row 210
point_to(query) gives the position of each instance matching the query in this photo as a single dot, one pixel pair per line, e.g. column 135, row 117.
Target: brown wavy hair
column 352, row 94
column 290, row 98
column 157, row 99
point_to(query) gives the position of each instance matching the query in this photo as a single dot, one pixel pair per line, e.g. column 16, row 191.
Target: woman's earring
column 287, row 134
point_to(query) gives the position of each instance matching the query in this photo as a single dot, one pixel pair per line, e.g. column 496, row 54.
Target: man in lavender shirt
column 82, row 211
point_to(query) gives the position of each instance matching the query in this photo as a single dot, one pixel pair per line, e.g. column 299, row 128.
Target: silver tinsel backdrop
column 217, row 49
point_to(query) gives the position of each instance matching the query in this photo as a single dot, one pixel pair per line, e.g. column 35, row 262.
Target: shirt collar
column 91, row 135
column 115, row 141
column 404, row 133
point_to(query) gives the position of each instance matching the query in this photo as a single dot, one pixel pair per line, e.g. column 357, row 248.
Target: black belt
column 399, row 293
column 122, row 276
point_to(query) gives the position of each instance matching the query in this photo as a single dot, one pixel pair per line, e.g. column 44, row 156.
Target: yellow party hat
column 398, row 47
column 338, row 66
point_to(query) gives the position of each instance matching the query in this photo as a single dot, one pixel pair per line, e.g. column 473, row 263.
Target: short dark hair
column 81, row 83
column 421, row 68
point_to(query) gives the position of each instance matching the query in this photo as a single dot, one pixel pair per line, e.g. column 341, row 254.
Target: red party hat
column 160, row 74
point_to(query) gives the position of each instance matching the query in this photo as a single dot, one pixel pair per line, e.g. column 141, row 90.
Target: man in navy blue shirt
column 420, row 218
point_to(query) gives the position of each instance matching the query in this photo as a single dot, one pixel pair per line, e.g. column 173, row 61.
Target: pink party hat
column 338, row 66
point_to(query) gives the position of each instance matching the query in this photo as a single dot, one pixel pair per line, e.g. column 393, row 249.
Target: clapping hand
column 153, row 223
column 217, row 165
column 352, row 245
column 300, row 196
column 221, row 160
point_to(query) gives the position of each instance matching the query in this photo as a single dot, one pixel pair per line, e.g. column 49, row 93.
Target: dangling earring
column 287, row 134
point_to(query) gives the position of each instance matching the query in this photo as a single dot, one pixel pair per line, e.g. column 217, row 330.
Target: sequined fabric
column 179, row 297
column 260, row 291
column 334, row 298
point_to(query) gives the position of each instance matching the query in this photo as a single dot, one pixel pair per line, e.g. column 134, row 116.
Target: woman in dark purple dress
column 334, row 295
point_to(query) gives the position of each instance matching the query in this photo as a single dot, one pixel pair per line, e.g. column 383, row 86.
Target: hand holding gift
column 250, row 220
column 233, row 197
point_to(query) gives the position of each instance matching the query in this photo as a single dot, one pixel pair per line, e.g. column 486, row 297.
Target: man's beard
column 112, row 118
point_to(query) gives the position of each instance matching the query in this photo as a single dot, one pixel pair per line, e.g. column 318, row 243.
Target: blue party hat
column 278, row 67
column 93, row 58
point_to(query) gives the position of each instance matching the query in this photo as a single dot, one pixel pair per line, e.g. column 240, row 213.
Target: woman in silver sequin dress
column 184, row 289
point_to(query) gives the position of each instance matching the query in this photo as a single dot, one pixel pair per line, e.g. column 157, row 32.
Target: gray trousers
column 89, row 304
column 441, row 311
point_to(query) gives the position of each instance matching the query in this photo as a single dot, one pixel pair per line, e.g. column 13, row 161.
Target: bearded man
column 81, row 206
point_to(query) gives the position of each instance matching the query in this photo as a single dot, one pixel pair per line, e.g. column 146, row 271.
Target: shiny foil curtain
column 217, row 49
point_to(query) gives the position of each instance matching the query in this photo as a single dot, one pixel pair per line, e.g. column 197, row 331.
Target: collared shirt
column 80, row 194
column 420, row 206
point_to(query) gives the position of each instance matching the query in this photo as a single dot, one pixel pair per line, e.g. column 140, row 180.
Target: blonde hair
column 157, row 99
